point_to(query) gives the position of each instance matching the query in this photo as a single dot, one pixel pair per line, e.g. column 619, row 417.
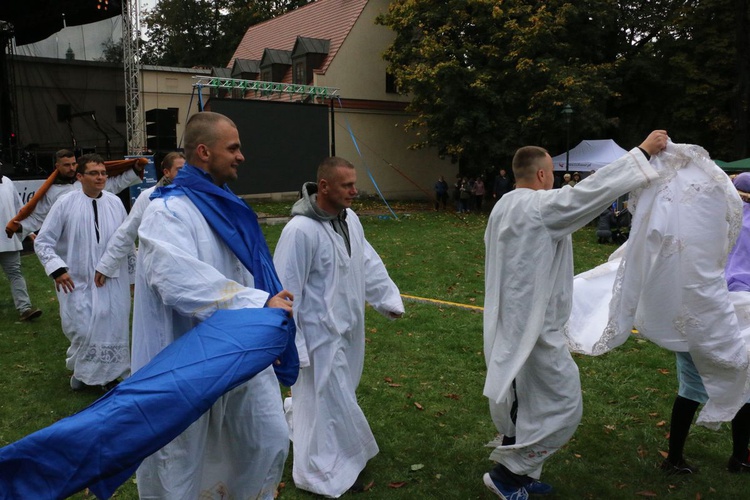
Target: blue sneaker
column 537, row 487
column 503, row 491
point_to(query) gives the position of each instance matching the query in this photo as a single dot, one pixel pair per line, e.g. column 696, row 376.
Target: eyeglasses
column 96, row 173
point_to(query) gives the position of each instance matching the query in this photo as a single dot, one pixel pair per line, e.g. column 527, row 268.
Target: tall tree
column 486, row 76
column 187, row 33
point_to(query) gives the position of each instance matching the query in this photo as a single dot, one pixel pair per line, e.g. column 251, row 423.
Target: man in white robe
column 70, row 243
column 10, row 253
column 324, row 259
column 66, row 181
column 532, row 381
column 122, row 241
column 184, row 273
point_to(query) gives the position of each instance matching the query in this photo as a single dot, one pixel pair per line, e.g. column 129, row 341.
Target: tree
column 691, row 77
column 187, row 33
column 112, row 51
column 486, row 76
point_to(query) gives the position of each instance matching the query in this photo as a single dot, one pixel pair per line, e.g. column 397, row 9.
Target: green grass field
column 422, row 385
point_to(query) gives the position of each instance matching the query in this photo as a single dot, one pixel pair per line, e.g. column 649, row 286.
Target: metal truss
column 131, row 63
column 265, row 87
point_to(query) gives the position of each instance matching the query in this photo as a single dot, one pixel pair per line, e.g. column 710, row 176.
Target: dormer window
column 307, row 55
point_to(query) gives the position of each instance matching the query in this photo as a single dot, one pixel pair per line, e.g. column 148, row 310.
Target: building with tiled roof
column 336, row 44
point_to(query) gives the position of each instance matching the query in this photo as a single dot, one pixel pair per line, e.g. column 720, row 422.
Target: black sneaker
column 110, row 385
column 681, row 468
column 735, row 466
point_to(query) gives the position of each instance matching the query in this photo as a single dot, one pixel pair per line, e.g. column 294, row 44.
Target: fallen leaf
column 642, row 452
column 609, row 428
column 653, row 414
column 397, row 484
column 646, row 493
column 394, row 385
column 419, row 406
column 661, row 423
column 368, row 486
column 417, row 466
column 452, row 396
column 388, row 379
column 664, row 454
column 633, row 398
column 577, row 455
column 663, row 371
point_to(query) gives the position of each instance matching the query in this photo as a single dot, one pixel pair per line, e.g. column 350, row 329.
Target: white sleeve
column 45, row 242
column 293, row 259
column 380, row 290
column 568, row 209
column 167, row 252
column 120, row 245
column 117, row 183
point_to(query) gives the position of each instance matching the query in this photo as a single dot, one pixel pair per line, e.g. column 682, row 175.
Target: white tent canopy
column 589, row 155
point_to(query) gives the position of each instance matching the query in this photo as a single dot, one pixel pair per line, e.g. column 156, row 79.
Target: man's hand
column 64, row 282
column 100, row 279
column 282, row 300
column 655, row 142
column 12, row 228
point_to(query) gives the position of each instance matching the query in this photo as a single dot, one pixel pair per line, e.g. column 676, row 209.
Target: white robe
column 10, row 204
column 122, row 241
column 35, row 220
column 95, row 320
column 528, row 289
column 184, row 273
column 331, row 436
column 668, row 281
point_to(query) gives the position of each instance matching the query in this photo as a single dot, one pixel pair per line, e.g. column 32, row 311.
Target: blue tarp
column 101, row 447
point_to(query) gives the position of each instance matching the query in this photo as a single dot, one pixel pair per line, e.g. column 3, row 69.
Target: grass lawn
column 423, row 379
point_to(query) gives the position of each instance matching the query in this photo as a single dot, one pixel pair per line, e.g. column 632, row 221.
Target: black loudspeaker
column 161, row 129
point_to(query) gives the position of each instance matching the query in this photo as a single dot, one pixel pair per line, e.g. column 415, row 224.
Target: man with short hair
column 201, row 250
column 532, row 381
column 324, row 259
column 70, row 243
column 122, row 241
column 66, row 180
column 10, row 253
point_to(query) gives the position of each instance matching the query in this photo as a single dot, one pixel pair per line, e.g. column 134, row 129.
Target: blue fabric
column 102, row 446
column 237, row 225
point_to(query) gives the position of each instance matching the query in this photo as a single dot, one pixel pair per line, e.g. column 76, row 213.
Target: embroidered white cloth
column 668, row 281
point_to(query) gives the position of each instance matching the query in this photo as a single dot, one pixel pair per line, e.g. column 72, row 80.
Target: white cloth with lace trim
column 668, row 281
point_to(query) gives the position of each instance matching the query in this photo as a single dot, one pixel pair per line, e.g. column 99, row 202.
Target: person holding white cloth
column 532, row 381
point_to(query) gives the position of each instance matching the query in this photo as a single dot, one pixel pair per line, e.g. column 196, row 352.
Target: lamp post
column 567, row 111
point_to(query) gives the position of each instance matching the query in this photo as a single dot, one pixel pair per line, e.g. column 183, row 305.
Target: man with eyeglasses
column 66, row 180
column 70, row 243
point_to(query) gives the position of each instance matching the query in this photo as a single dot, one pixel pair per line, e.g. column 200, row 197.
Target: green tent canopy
column 734, row 166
